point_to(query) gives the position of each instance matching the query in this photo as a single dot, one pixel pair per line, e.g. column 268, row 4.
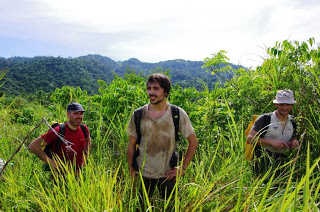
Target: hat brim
column 291, row 102
column 76, row 111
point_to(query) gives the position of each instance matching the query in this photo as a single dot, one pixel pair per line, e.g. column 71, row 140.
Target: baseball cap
column 75, row 106
column 284, row 97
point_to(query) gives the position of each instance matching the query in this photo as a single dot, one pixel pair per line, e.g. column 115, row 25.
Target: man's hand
column 132, row 172
column 130, row 154
column 294, row 144
column 193, row 144
column 174, row 172
column 278, row 144
column 53, row 164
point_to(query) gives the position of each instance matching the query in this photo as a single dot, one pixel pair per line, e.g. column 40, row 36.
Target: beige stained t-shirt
column 158, row 140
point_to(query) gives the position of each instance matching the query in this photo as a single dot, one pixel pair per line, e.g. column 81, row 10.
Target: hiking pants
column 264, row 159
column 165, row 186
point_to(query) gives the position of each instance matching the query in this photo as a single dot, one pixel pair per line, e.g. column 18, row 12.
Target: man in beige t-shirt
column 158, row 139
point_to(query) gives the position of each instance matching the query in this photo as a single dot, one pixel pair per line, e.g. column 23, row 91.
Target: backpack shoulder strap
column 266, row 121
column 294, row 124
column 62, row 129
column 137, row 120
column 84, row 130
column 176, row 117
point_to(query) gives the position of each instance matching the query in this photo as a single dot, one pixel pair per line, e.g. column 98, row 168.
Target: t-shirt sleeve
column 131, row 129
column 259, row 124
column 50, row 136
column 185, row 126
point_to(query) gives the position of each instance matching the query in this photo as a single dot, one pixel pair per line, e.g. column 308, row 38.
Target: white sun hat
column 284, row 97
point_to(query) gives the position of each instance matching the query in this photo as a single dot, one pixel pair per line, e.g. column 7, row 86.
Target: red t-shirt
column 74, row 136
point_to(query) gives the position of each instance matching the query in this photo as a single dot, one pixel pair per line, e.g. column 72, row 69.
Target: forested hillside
column 29, row 75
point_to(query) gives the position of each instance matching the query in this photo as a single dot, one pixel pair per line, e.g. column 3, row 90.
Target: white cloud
column 159, row 30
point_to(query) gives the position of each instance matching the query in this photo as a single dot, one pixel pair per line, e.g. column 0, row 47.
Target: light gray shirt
column 275, row 131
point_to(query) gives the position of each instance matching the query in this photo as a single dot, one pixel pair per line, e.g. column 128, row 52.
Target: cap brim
column 76, row 110
column 284, row 102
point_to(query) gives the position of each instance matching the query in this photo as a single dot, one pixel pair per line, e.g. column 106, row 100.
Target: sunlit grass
column 214, row 181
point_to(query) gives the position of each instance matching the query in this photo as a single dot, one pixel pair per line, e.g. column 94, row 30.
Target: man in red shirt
column 74, row 145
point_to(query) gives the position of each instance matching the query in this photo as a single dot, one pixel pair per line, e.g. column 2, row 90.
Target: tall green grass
column 215, row 181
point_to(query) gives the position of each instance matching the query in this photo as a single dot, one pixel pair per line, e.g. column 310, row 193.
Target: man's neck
column 156, row 111
column 71, row 126
column 280, row 117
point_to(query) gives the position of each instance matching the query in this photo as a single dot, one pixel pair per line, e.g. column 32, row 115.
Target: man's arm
column 277, row 144
column 252, row 137
column 35, row 147
column 130, row 153
column 191, row 150
column 87, row 146
column 192, row 147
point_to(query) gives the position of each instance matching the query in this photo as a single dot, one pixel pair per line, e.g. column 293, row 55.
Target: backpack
column 48, row 150
column 249, row 148
column 137, row 120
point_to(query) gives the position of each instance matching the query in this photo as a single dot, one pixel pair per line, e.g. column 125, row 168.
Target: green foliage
column 216, row 61
column 67, row 94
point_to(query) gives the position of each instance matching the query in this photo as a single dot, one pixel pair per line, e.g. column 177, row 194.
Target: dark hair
column 163, row 81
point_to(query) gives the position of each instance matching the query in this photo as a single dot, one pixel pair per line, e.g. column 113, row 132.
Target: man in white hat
column 274, row 133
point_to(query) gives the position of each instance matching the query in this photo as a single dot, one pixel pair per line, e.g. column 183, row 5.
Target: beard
column 156, row 102
column 76, row 122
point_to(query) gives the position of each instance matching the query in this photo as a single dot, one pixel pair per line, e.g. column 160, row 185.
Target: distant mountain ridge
column 28, row 75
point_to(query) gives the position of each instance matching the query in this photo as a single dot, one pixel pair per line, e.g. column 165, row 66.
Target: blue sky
column 154, row 31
